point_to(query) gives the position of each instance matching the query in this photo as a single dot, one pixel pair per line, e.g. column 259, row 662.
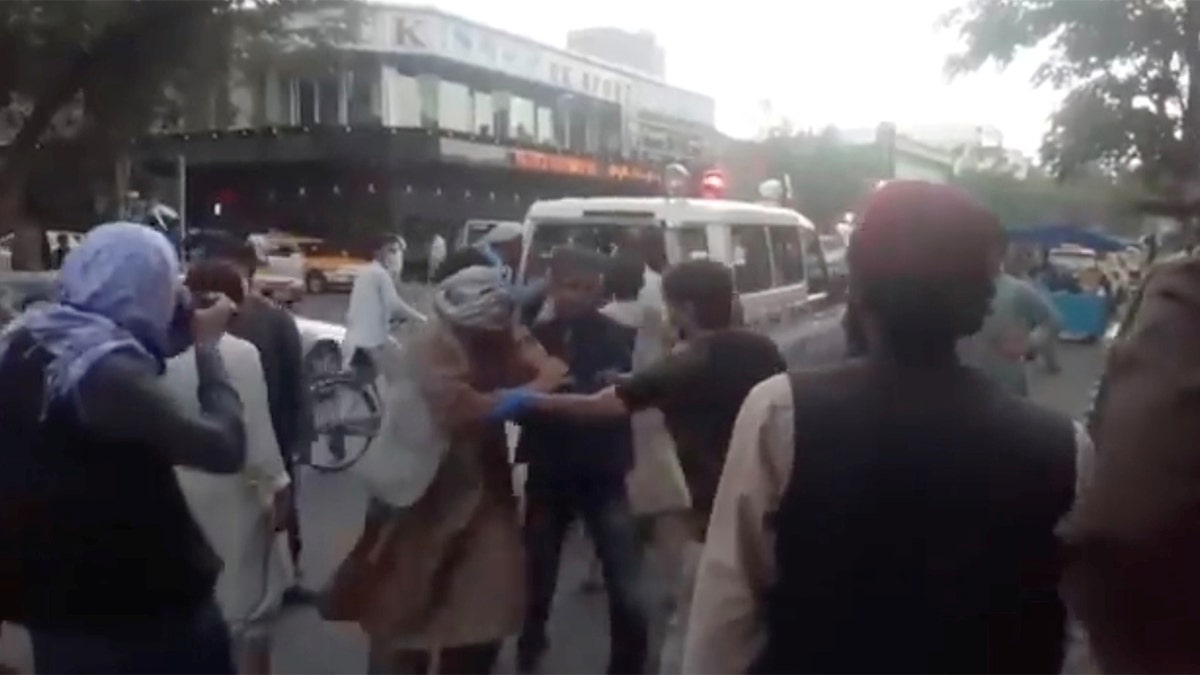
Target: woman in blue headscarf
column 99, row 555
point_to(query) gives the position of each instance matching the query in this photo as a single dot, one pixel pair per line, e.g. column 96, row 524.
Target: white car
column 281, row 268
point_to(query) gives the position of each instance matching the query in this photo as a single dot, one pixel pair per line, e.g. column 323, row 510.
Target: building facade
column 638, row 51
column 423, row 121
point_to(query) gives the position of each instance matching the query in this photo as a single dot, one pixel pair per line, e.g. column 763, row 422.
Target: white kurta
column 235, row 510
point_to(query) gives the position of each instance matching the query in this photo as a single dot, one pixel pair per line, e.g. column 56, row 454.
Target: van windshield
column 608, row 238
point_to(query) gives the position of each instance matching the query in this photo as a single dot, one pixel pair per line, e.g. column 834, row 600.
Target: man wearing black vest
column 895, row 512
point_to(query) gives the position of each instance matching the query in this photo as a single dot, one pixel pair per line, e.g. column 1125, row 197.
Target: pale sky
column 851, row 63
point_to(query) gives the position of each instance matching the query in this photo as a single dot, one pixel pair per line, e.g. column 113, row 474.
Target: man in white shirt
column 375, row 304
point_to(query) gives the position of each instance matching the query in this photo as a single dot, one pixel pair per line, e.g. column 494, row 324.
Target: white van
column 473, row 230
column 778, row 266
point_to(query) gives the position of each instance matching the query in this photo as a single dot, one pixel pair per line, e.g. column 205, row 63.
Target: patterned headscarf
column 117, row 292
column 475, row 298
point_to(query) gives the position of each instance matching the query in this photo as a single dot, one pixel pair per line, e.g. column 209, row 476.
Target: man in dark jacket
column 577, row 469
column 273, row 331
column 894, row 512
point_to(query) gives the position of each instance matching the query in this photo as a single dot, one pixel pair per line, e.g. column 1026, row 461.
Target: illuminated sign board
column 457, row 150
column 530, row 160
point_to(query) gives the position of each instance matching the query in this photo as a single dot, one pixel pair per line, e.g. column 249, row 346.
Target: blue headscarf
column 117, row 293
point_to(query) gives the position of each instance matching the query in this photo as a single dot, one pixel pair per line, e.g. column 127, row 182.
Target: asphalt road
column 332, row 509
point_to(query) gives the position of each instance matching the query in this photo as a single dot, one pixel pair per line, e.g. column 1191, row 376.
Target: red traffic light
column 712, row 184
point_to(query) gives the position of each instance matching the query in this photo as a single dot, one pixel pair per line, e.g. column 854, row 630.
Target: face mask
column 179, row 332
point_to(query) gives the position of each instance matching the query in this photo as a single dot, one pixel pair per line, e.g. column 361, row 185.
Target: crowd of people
column 900, row 507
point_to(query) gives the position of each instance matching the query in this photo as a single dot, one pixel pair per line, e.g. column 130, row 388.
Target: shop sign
column 453, row 149
column 630, row 172
column 530, row 160
column 428, row 32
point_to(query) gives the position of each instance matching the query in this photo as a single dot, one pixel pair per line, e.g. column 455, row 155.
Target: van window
column 751, row 258
column 692, row 243
column 606, row 239
column 473, row 232
column 788, row 255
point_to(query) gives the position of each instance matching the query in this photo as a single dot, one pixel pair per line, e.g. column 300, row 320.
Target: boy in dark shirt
column 699, row 389
column 577, row 468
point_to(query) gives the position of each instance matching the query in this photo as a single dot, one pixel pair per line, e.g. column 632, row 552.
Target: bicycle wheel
column 346, row 419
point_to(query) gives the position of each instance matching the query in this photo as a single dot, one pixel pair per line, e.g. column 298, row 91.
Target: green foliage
column 828, row 177
column 1129, row 68
column 1033, row 201
column 119, row 65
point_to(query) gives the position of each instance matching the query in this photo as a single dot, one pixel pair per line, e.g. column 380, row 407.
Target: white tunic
column 234, row 510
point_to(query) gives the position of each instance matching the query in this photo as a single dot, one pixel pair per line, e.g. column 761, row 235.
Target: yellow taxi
column 327, row 266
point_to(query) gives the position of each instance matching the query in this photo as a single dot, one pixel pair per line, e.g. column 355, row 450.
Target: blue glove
column 512, row 402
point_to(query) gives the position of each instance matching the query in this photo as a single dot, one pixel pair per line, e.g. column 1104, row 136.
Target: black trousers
column 611, row 526
column 295, row 544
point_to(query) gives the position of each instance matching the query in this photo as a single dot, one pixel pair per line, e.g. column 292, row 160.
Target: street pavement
column 332, row 509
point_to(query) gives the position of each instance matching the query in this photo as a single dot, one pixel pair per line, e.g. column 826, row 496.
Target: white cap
column 503, row 231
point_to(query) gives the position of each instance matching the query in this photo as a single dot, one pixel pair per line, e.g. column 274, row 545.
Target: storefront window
column 610, row 131
column 363, row 101
column 329, row 101
column 455, row 108
column 404, row 99
column 427, row 88
column 315, row 101
column 522, row 121
column 485, row 115
column 304, row 102
column 501, row 102
column 545, row 125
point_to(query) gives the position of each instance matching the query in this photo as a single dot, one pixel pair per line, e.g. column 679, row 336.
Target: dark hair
column 216, row 276
column 244, row 255
column 459, row 260
column 381, row 241
column 707, row 285
column 625, row 277
column 572, row 259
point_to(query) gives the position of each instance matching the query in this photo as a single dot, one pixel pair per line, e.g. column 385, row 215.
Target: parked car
column 327, row 266
column 280, row 273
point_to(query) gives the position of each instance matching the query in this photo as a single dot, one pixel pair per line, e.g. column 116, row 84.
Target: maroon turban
column 917, row 230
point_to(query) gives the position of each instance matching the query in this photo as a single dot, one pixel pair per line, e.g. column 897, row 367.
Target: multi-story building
column 429, row 119
column 638, row 51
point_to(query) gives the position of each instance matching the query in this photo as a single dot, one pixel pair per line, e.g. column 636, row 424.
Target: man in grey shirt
column 1019, row 311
